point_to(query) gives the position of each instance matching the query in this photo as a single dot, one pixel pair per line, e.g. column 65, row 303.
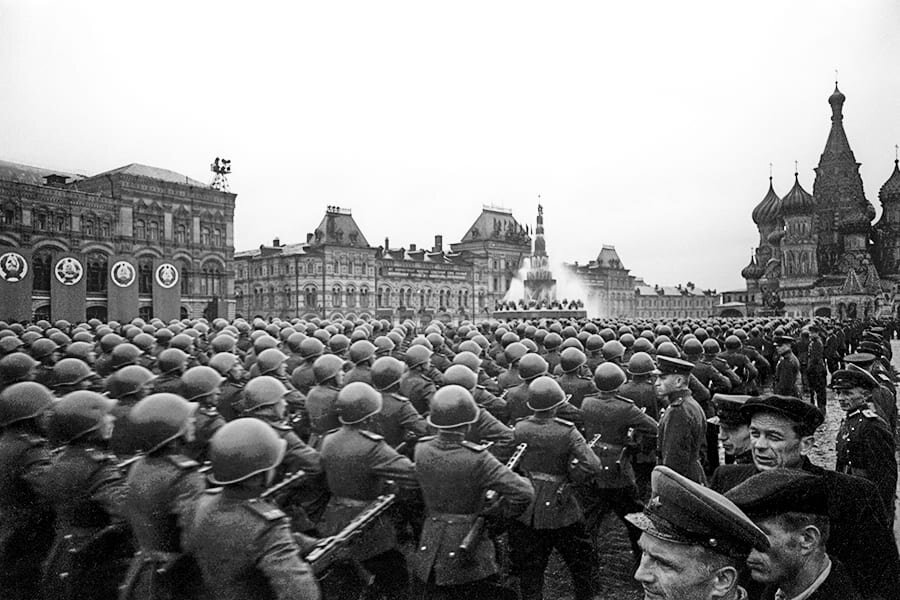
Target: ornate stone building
column 819, row 253
column 678, row 302
column 140, row 213
column 610, row 286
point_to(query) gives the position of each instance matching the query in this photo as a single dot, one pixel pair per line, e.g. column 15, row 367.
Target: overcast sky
column 646, row 125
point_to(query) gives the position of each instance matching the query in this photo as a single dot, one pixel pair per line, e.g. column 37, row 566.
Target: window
column 87, row 227
column 41, row 221
column 41, row 263
column 105, row 229
column 61, row 223
column 153, row 231
column 96, row 273
column 384, row 297
column 145, row 276
column 140, row 229
column 217, row 237
column 364, row 298
column 184, row 272
column 351, row 297
column 204, row 236
column 310, row 297
column 180, row 233
column 146, row 313
column 336, row 296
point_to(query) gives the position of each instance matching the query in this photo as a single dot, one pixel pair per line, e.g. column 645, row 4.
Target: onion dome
column 767, row 211
column 776, row 236
column 836, row 100
column 797, row 201
column 754, row 270
column 855, row 222
column 890, row 191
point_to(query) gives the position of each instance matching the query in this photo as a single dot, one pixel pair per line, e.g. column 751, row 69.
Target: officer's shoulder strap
column 264, row 510
column 400, row 397
column 32, row 440
column 480, row 387
column 426, row 438
column 280, row 427
column 183, row 462
column 473, row 446
column 372, row 436
column 564, row 422
column 98, row 456
column 624, row 399
column 213, row 491
column 330, row 431
column 870, row 414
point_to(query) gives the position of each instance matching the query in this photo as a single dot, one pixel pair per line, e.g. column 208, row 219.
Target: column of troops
column 316, row 459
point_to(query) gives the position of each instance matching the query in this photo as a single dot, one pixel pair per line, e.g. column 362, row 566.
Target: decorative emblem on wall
column 123, row 274
column 166, row 275
column 13, row 267
column 68, row 270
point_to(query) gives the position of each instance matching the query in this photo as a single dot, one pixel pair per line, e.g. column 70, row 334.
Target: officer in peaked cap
column 787, row 371
column 682, row 428
column 694, row 541
column 734, row 427
column 884, row 396
column 865, row 443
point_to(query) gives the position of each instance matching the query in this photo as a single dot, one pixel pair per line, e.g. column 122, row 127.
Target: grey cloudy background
column 647, row 125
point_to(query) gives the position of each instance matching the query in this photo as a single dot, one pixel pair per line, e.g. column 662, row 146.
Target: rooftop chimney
column 387, row 244
column 412, row 247
column 438, row 243
column 309, row 238
column 276, row 242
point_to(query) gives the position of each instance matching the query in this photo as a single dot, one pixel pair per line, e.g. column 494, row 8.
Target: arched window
column 105, row 229
column 336, row 296
column 153, row 231
column 204, row 236
column 271, row 297
column 87, row 226
column 217, row 237
column 145, row 275
column 310, row 297
column 184, row 275
column 351, row 297
column 180, row 233
column 96, row 273
column 41, row 264
column 364, row 298
column 140, row 229
column 61, row 221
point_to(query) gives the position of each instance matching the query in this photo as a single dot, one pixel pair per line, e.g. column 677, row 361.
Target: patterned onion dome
column 768, row 210
column 890, row 191
column 855, row 222
column 754, row 270
column 776, row 236
column 797, row 201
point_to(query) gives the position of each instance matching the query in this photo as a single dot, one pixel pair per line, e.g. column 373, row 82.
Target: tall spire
column 837, row 147
column 540, row 248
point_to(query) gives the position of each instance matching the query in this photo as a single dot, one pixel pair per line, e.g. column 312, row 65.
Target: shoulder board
column 213, row 491
column 585, row 378
column 564, row 422
column 372, row 436
column 871, row 414
column 526, row 418
column 183, row 462
column 426, row 377
column 330, row 431
column 209, row 411
column 472, row 446
column 426, row 438
column 32, row 440
column 98, row 455
column 265, row 510
column 281, row 427
column 624, row 399
column 399, row 397
column 480, row 387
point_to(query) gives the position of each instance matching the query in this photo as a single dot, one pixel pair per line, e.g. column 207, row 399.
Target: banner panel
column 16, row 282
column 166, row 290
column 122, row 289
column 68, row 287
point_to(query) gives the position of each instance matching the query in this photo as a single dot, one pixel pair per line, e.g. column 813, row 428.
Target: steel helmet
column 532, row 366
column 16, row 367
column 243, row 448
column 436, row 340
column 627, row 340
column 711, row 346
column 327, row 367
column 733, row 342
column 163, row 335
column 642, row 344
column 417, row 355
column 22, row 401
column 182, row 341
column 544, row 393
column 171, row 359
column 200, row 382
column 692, row 347
column 468, row 359
column 77, row 414
column 422, row 341
column 124, row 354
column 270, row 360
column 127, row 381
column 361, row 351
column 470, row 346
column 43, row 347
column 452, row 406
column 552, row 341
column 160, row 418
column 594, row 343
column 338, row 343
column 571, row 359
column 514, row 352
column 223, row 362
column 262, row 391
column 70, row 371
column 571, row 342
column 641, row 363
column 607, row 334
column 612, row 350
column 384, row 345
column 462, row 376
column 222, row 343
column 608, row 377
column 80, row 350
column 144, row 341
column 386, row 372
column 311, row 347
column 295, row 341
column 356, row 402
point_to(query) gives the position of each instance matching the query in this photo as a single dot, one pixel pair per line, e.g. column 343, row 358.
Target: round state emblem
column 68, row 270
column 122, row 273
column 166, row 275
column 13, row 267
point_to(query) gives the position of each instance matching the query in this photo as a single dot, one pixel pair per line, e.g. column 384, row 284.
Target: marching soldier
column 865, row 444
column 16, row 368
column 486, row 428
column 320, row 402
column 303, row 376
column 573, row 383
column 171, row 363
column 160, row 485
column 203, row 385
column 26, row 524
column 532, row 366
column 397, row 420
column 244, row 546
column 86, row 490
column 740, row 364
column 454, row 476
column 229, row 366
column 682, row 429
column 622, row 428
column 484, row 398
column 362, row 355
column 357, row 464
column 416, row 385
column 555, row 518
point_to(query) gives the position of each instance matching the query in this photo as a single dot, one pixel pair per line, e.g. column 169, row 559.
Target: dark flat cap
column 863, row 359
column 666, row 365
column 779, row 491
column 783, row 339
column 851, row 377
column 872, row 337
column 728, row 409
column 873, row 347
column 806, row 415
column 682, row 511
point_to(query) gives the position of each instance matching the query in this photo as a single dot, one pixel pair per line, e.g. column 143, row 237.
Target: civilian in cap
column 787, row 371
column 865, row 443
column 682, row 428
column 791, row 507
column 734, row 428
column 694, row 541
column 781, row 435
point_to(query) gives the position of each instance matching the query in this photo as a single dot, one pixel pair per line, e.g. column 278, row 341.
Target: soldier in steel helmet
column 243, row 545
column 358, row 464
column 172, row 363
column 573, row 381
column 624, row 429
column 229, row 366
column 483, row 397
column 159, row 486
column 321, row 400
column 303, row 376
column 203, row 385
column 555, row 518
column 454, row 476
column 416, row 384
column 487, row 428
column 532, row 366
column 361, row 355
column 26, row 524
column 398, row 421
column 86, row 490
